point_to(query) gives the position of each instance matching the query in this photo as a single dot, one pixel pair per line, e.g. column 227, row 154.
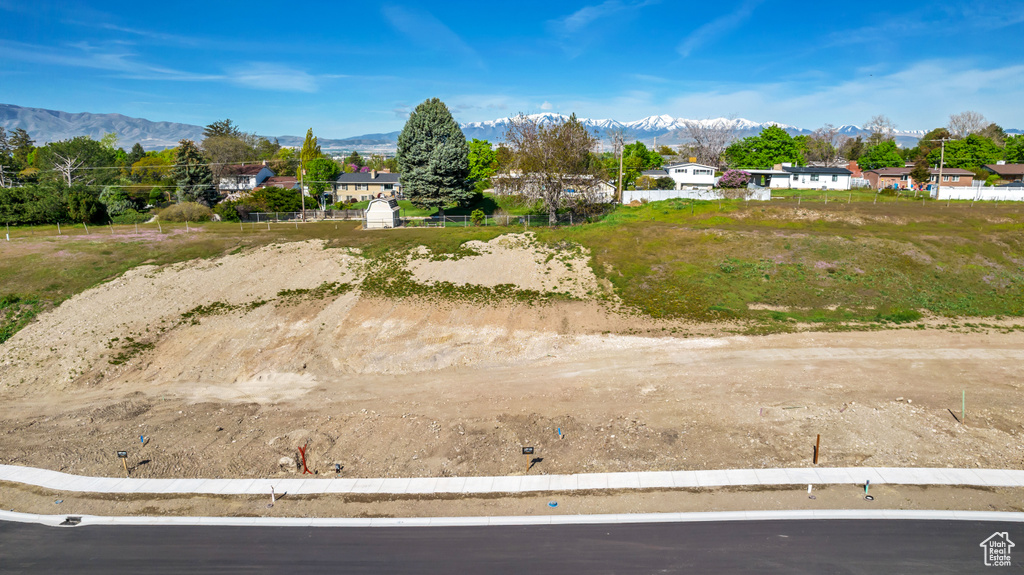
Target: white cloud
column 717, row 27
column 920, row 96
column 428, row 32
column 546, row 105
column 265, row 76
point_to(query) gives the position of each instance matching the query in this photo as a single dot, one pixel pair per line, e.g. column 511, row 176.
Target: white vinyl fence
column 628, row 196
column 978, row 193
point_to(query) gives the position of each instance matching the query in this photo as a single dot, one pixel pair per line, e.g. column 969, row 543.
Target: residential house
column 1008, row 172
column 286, row 182
column 773, row 178
column 243, row 178
column 899, row 178
column 690, row 175
column 362, row 186
column 595, row 190
column 817, row 178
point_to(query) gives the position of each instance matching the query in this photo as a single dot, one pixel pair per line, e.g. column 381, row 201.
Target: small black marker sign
column 527, row 451
column 122, row 454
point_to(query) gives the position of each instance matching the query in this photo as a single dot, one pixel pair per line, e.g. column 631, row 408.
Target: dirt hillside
column 226, row 366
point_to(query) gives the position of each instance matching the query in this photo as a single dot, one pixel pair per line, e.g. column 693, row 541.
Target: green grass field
column 832, row 264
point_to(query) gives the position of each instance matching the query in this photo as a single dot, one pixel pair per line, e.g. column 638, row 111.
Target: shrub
column 734, row 179
column 186, row 211
column 116, row 200
column 131, row 217
column 227, row 211
column 477, row 217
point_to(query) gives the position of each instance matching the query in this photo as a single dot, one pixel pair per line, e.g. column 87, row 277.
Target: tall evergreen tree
column 193, row 175
column 433, row 158
column 137, row 153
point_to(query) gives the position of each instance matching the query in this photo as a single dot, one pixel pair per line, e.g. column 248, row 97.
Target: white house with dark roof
column 243, row 178
column 817, row 178
column 362, row 186
column 691, row 175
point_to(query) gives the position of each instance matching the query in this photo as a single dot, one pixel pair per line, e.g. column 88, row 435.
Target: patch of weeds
column 388, row 278
column 899, row 316
column 129, row 349
column 16, row 312
column 200, row 311
column 322, row 291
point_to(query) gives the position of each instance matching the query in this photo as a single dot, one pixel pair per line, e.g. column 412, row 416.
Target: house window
column 681, row 170
column 835, row 178
column 702, row 172
column 933, row 179
column 904, row 178
column 956, row 178
column 344, row 187
column 945, row 178
column 362, row 187
column 814, row 177
column 389, row 187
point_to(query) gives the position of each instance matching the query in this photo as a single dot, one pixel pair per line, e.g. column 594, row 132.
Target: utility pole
column 618, row 139
column 942, row 161
column 302, row 187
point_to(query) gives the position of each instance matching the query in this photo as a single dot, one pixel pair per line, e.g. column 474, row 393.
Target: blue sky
column 353, row 68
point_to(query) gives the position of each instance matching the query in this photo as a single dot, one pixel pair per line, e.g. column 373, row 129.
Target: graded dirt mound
column 514, row 259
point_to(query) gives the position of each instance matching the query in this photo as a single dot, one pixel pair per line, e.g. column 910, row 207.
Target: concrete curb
column 58, row 481
column 826, row 514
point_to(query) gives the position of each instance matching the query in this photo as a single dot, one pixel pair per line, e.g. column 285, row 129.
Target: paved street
column 813, row 546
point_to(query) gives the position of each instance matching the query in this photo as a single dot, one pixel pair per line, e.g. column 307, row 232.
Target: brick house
column 1008, row 172
column 900, row 178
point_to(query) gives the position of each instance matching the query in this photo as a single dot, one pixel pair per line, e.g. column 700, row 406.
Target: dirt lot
column 227, row 372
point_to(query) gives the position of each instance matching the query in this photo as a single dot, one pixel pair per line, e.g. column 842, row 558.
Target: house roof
column 244, row 170
column 763, row 171
column 654, row 173
column 1007, row 169
column 681, row 164
column 905, row 171
column 1012, row 185
column 280, row 182
column 816, row 170
column 367, row 178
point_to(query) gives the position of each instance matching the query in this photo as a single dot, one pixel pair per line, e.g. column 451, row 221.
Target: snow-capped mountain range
column 650, row 126
column 50, row 125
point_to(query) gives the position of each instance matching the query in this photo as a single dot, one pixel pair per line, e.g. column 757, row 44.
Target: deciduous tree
column 320, row 172
column 483, row 163
column 970, row 152
column 551, row 160
column 823, row 145
column 772, row 146
column 882, row 129
column 433, row 158
column 708, row 141
column 966, row 123
column 882, row 155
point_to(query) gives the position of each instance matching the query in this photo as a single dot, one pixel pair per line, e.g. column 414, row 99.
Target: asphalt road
column 818, row 546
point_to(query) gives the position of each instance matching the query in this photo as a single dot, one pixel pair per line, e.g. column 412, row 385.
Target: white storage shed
column 382, row 213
